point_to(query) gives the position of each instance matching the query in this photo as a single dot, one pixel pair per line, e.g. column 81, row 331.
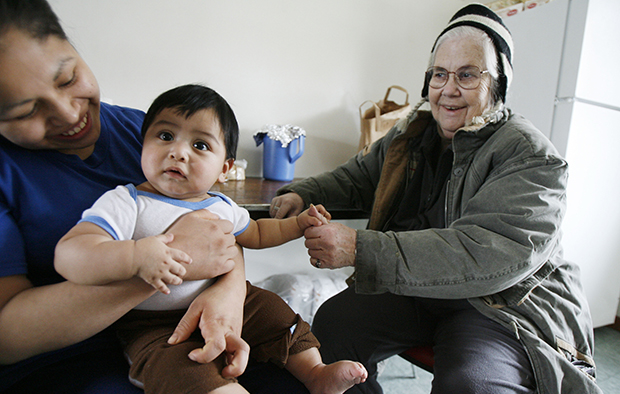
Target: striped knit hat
column 483, row 18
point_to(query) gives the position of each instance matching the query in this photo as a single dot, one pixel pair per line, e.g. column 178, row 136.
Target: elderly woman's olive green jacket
column 501, row 248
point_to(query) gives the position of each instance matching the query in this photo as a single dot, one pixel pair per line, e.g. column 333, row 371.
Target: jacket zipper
column 445, row 207
column 448, row 184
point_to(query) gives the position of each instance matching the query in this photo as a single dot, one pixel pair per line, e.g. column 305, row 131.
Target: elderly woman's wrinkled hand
column 331, row 245
column 286, row 205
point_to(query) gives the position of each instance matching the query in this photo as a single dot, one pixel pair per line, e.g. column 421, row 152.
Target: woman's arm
column 218, row 313
column 35, row 320
column 350, row 185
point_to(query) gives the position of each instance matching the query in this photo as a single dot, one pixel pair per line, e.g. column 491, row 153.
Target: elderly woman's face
column 451, row 105
column 49, row 98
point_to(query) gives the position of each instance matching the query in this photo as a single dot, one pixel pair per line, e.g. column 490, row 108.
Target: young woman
column 60, row 149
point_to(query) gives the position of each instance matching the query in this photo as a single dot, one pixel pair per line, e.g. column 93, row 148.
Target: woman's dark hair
column 35, row 17
column 189, row 99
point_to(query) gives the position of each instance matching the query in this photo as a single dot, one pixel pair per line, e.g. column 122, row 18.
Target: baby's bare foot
column 336, row 378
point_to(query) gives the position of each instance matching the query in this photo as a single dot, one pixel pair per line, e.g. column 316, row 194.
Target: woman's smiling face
column 451, row 105
column 49, row 98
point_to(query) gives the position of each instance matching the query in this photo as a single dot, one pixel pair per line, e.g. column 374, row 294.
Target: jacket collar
column 492, row 116
column 394, row 167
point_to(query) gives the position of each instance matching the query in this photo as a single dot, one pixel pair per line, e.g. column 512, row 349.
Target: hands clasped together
column 331, row 245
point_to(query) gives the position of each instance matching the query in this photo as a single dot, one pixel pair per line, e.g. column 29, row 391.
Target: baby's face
column 183, row 157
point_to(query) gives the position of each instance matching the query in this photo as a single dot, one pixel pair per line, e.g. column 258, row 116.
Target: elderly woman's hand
column 331, row 245
column 286, row 205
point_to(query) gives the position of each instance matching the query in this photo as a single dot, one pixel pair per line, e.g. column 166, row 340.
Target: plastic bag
column 305, row 293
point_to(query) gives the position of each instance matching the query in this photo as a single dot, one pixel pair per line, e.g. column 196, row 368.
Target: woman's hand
column 208, row 241
column 286, row 205
column 220, row 330
column 331, row 245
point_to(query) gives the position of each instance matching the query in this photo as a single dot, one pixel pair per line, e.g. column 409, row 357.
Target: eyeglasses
column 467, row 77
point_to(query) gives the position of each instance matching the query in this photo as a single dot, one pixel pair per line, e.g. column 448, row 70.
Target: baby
column 190, row 142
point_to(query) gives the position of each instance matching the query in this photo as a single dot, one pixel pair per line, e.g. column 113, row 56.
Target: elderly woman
column 462, row 250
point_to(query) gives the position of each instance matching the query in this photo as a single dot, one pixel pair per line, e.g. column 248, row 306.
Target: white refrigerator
column 566, row 82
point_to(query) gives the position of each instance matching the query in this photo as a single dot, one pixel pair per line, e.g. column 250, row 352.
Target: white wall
column 276, row 62
column 308, row 63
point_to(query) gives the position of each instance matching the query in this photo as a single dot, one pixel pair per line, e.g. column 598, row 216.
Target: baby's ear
column 227, row 166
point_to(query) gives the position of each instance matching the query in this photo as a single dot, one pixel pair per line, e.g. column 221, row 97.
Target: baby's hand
column 313, row 216
column 158, row 264
column 320, row 213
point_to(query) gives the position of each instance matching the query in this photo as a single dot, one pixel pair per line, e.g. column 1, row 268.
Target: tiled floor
column 397, row 376
column 607, row 358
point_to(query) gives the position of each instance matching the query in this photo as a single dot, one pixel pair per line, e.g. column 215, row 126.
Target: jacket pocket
column 581, row 361
column 518, row 293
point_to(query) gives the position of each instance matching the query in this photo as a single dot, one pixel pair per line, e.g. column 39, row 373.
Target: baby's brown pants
column 161, row 368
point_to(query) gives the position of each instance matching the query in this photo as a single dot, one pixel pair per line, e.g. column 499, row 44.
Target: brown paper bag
column 377, row 120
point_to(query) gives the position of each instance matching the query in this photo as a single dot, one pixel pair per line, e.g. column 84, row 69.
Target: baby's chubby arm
column 266, row 233
column 88, row 255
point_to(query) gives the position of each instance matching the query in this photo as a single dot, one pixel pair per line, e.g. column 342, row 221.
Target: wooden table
column 255, row 194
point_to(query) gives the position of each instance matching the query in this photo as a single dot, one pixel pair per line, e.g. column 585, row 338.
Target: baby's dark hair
column 189, row 99
column 35, row 17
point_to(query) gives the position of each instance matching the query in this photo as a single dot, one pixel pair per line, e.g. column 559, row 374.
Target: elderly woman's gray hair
column 490, row 24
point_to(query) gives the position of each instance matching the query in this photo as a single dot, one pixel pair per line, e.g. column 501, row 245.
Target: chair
column 421, row 356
